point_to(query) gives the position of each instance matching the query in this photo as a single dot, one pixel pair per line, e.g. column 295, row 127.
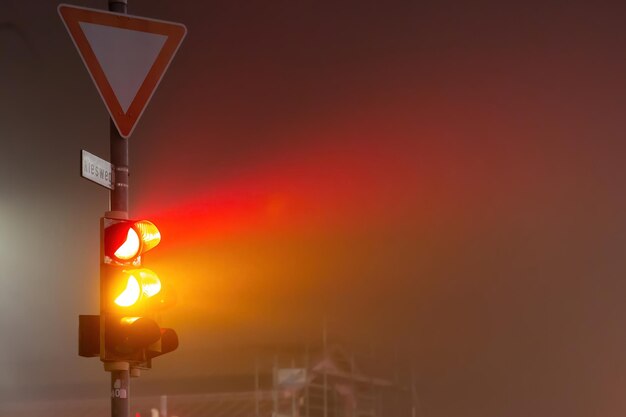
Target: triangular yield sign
column 125, row 55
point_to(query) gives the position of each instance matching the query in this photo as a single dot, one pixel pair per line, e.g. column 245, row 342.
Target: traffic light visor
column 149, row 233
column 150, row 282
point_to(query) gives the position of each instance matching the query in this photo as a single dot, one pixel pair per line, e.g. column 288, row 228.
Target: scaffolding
column 308, row 380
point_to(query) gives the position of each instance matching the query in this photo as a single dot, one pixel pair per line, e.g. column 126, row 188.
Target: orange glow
column 282, row 228
column 150, row 282
column 141, row 283
column 150, row 235
column 313, row 190
column 130, row 247
column 130, row 295
column 129, row 320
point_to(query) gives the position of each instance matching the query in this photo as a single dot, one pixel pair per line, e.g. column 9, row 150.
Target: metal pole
column 119, row 159
column 120, row 378
column 118, row 6
column 119, row 149
column 120, row 392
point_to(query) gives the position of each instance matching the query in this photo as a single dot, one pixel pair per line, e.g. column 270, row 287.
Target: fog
column 439, row 181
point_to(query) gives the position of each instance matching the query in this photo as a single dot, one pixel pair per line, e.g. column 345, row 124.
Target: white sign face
column 97, row 170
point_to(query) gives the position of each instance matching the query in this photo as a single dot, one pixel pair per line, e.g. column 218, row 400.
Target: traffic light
column 131, row 295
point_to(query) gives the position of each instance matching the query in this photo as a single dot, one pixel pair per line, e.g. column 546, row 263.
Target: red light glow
column 130, row 248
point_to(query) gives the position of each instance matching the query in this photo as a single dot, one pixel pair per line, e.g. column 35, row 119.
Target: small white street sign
column 97, row 170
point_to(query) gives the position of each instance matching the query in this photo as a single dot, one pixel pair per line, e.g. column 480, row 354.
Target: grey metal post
column 119, row 159
column 120, row 378
column 120, row 393
column 119, row 148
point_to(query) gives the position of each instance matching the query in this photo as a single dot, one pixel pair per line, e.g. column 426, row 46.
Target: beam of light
column 319, row 191
column 299, row 225
column 276, row 230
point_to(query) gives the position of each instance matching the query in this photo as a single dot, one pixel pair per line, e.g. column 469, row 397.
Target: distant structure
column 308, row 381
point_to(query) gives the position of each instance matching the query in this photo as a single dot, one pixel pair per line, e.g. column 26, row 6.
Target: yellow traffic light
column 131, row 293
column 140, row 283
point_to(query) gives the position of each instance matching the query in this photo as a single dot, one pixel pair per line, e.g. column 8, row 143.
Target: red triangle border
column 72, row 16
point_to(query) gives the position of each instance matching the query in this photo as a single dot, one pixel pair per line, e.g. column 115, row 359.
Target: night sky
column 441, row 179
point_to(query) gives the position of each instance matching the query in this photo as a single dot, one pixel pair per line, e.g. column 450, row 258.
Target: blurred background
column 435, row 182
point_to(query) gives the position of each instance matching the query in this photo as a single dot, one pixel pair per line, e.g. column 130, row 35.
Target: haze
column 439, row 179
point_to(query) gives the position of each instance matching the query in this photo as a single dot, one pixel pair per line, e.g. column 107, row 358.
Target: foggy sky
column 442, row 178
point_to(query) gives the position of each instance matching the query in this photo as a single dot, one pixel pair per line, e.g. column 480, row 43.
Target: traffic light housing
column 131, row 295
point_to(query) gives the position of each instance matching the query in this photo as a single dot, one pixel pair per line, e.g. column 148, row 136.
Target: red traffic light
column 125, row 241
